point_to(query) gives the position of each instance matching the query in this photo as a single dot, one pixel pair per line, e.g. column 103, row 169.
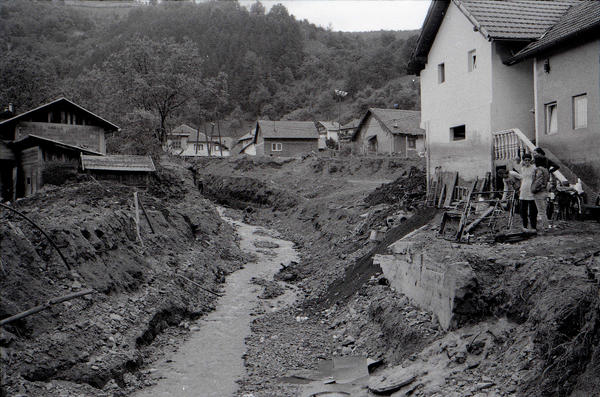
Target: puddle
column 210, row 361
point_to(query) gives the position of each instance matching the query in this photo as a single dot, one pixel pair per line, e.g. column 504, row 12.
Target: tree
column 158, row 76
column 257, row 8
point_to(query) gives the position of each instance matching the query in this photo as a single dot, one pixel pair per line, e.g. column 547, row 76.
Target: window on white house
column 176, row 144
column 458, row 133
column 551, row 118
column 472, row 60
column 411, row 142
column 198, row 146
column 276, row 147
column 580, row 111
column 216, row 147
column 441, row 73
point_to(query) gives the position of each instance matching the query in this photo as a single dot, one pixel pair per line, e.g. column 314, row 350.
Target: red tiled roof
column 578, row 20
column 514, row 19
column 288, row 129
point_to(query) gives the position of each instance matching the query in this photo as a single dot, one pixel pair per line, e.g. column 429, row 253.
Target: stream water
column 210, row 361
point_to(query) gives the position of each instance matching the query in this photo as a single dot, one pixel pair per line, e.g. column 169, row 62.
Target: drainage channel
column 210, row 361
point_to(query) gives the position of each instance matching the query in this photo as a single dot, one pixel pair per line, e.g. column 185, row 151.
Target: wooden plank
column 465, row 215
column 450, row 188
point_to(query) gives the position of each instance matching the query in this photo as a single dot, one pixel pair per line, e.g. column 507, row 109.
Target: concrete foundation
column 440, row 288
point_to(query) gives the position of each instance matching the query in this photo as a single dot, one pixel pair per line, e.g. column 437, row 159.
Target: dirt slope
column 94, row 345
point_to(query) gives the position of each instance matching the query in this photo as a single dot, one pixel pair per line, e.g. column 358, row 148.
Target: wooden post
column 146, row 215
column 137, row 218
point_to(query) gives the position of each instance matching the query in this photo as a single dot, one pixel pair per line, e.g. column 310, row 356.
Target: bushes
column 58, row 172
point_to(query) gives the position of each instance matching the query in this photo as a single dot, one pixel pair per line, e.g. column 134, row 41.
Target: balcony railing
column 511, row 145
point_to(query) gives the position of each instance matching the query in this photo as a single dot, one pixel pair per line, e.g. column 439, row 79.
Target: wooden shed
column 127, row 169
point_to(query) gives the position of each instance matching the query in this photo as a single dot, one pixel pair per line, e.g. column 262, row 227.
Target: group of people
column 531, row 182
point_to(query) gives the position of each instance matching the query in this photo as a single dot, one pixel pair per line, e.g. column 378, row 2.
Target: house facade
column 55, row 133
column 468, row 91
column 327, row 130
column 566, row 77
column 189, row 142
column 389, row 131
column 285, row 138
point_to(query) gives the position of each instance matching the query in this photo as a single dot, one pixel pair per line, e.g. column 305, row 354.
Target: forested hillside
column 148, row 68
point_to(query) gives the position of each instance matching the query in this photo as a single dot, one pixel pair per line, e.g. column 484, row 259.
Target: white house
column 468, row 92
column 189, row 142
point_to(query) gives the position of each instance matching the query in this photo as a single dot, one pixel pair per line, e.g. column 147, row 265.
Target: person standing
column 539, row 188
column 526, row 198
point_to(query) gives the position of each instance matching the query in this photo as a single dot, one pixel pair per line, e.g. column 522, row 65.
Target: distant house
column 285, row 138
column 347, row 130
column 189, row 142
column 500, row 77
column 132, row 170
column 389, row 131
column 327, row 130
column 56, row 132
column 246, row 144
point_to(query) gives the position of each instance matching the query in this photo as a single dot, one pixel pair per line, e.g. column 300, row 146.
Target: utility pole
column 340, row 95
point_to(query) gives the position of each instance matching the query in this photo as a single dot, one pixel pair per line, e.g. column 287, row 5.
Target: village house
column 246, row 144
column 499, row 77
column 327, row 130
column 35, row 141
column 186, row 141
column 285, row 138
column 389, row 131
column 566, row 74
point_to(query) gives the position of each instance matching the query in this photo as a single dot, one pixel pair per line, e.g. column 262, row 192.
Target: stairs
column 509, row 145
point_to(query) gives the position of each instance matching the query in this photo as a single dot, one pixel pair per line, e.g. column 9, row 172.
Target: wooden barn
column 127, row 169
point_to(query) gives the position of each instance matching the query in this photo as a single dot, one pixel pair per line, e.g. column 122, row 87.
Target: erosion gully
column 210, row 361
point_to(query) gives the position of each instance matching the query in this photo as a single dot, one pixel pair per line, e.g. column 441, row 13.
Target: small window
column 551, row 118
column 580, row 111
column 176, row 144
column 198, row 146
column 441, row 73
column 458, row 133
column 276, row 147
column 411, row 142
column 472, row 60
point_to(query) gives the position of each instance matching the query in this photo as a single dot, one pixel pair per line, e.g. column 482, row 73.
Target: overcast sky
column 356, row 15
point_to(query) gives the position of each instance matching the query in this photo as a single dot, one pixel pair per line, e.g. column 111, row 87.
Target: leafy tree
column 158, row 76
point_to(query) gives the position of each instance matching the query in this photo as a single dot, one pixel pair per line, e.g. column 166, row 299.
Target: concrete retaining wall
column 436, row 287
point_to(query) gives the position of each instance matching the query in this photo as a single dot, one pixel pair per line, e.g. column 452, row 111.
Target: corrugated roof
column 106, row 123
column 579, row 19
column 395, row 121
column 125, row 163
column 514, row 19
column 288, row 129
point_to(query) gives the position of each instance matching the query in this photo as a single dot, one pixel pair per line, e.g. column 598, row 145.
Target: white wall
column 464, row 98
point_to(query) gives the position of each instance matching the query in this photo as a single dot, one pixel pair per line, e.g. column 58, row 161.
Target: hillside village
column 366, row 242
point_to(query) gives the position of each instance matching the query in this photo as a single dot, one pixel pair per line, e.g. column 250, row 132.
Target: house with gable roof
column 566, row 80
column 52, row 135
column 478, row 109
column 285, row 138
column 327, row 130
column 189, row 142
column 389, row 131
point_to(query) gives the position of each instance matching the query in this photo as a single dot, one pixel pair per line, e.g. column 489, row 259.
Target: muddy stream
column 210, row 361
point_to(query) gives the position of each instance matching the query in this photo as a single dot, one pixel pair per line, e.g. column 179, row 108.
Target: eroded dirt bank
column 529, row 328
column 143, row 295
